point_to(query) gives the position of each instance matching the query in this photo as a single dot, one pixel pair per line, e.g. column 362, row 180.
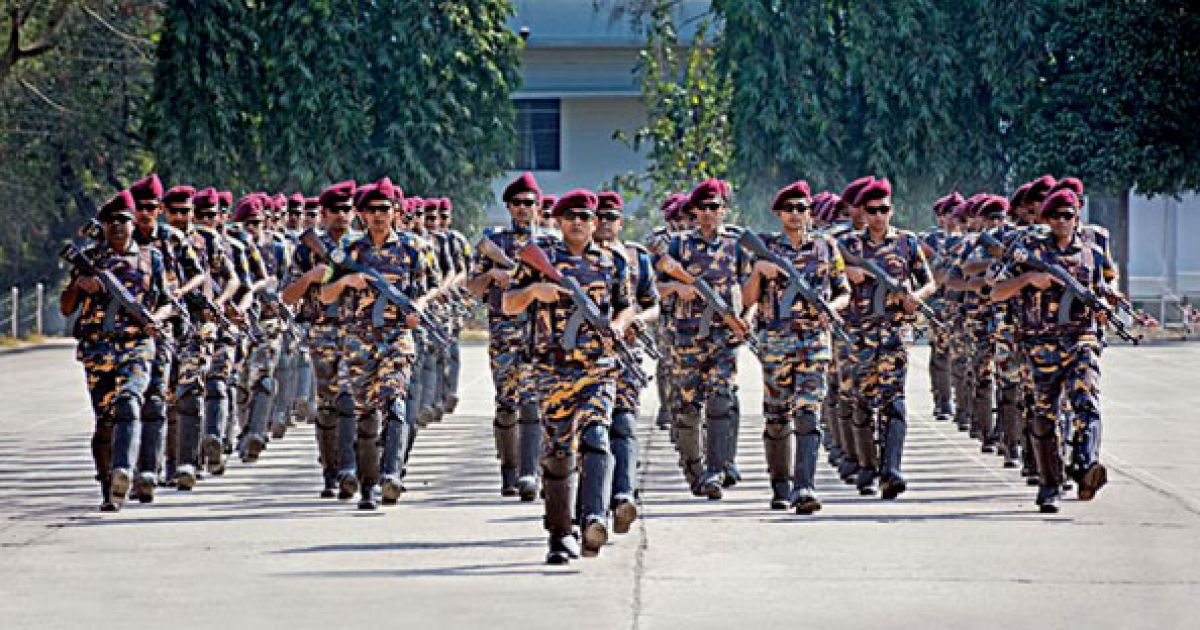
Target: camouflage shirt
column 140, row 270
column 818, row 260
column 719, row 261
column 400, row 261
column 900, row 257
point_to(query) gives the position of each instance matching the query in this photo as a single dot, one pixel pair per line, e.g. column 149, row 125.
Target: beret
column 796, row 190
column 1018, row 196
column 121, row 203
column 248, row 207
column 525, row 182
column 1060, row 200
column 382, row 190
column 970, row 207
column 947, row 203
column 993, row 205
column 312, row 203
column 207, row 197
column 708, row 189
column 337, row 194
column 148, row 187
column 447, row 205
column 672, row 207
column 296, row 201
column 877, row 189
column 578, row 198
column 609, row 200
column 179, row 194
column 1039, row 188
column 548, row 202
column 280, row 202
column 226, row 198
column 1069, row 183
column 850, row 192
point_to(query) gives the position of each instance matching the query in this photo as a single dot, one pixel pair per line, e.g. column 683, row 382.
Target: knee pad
column 155, row 409
column 189, row 403
column 266, row 385
column 558, row 466
column 688, row 420
column 127, row 408
column 344, row 404
column 777, row 429
column 624, row 425
column 326, row 421
column 720, row 404
column 368, row 426
column 594, row 439
column 216, row 388
column 530, row 413
column 505, row 420
column 807, row 422
column 896, row 410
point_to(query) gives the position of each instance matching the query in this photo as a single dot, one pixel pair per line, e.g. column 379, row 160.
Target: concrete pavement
column 963, row 548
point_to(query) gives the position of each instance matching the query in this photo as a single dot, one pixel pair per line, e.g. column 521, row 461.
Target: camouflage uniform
column 117, row 354
column 517, row 424
column 960, row 348
column 939, row 337
column 977, row 321
column 258, row 376
column 460, row 256
column 838, row 406
column 881, row 356
column 795, row 362
column 705, row 362
column 1063, row 350
column 664, row 368
column 378, row 356
column 578, row 384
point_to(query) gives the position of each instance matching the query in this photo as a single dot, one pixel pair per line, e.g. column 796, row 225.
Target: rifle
column 586, row 310
column 202, row 302
column 797, row 285
column 271, row 298
column 116, row 291
column 714, row 304
column 1074, row 290
column 887, row 284
column 643, row 335
column 386, row 291
column 490, row 250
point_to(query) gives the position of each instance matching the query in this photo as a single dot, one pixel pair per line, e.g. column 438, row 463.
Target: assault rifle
column 586, row 310
column 714, row 304
column 797, row 287
column 116, row 291
column 385, row 290
column 887, row 284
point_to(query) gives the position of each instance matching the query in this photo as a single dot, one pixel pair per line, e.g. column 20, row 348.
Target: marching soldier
column 704, row 343
column 518, row 427
column 881, row 357
column 934, row 244
column 623, row 431
column 795, row 345
column 460, row 255
column 676, row 220
column 117, row 339
column 576, row 369
column 1060, row 337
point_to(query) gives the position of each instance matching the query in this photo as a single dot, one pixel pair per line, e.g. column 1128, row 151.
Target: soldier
column 546, row 221
column 881, row 357
column 518, row 427
column 431, row 356
column 576, row 372
column 117, row 347
column 704, row 344
column 336, row 420
column 934, row 246
column 459, row 250
column 795, row 345
column 1060, row 336
column 312, row 214
column 378, row 345
column 676, row 220
column 623, row 431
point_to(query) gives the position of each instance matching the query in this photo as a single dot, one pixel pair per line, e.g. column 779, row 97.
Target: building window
column 538, row 132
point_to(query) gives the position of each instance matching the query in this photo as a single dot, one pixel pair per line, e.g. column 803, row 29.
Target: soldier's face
column 523, row 207
column 444, row 220
column 311, row 218
column 878, row 213
column 339, row 217
column 795, row 214
column 179, row 216
column 378, row 216
column 146, row 213
column 1062, row 222
column 578, row 226
column 710, row 213
column 208, row 217
column 118, row 230
column 293, row 218
column 608, row 225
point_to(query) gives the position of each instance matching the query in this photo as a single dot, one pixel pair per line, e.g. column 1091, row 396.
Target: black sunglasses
column 341, row 210
column 312, row 214
column 147, row 207
column 577, row 215
column 523, row 203
column 444, row 215
column 609, row 216
column 178, row 209
column 799, row 207
column 1065, row 216
column 120, row 218
column 374, row 209
column 207, row 214
column 884, row 209
column 710, row 207
column 252, row 222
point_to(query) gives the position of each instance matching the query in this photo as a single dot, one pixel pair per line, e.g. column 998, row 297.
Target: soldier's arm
column 232, row 283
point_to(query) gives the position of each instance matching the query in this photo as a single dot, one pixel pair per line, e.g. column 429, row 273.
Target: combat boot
column 529, row 450
column 143, row 487
column 777, row 447
column 185, row 478
column 595, row 535
column 893, row 483
column 803, row 497
column 118, row 487
column 370, row 497
column 451, row 403
column 563, row 548
column 106, row 501
column 625, row 512
column 864, row 445
column 558, row 470
column 329, row 490
column 1091, row 480
column 391, row 489
column 1048, row 498
column 210, row 453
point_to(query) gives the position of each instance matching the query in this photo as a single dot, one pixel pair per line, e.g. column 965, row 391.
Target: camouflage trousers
column 259, row 378
column 1013, row 390
column 1068, row 367
column 939, row 369
column 377, row 366
column 880, row 366
column 703, row 369
column 574, row 396
column 628, row 394
column 511, row 374
column 325, row 346
column 662, row 374
column 117, row 372
column 795, row 366
column 960, row 362
column 980, row 372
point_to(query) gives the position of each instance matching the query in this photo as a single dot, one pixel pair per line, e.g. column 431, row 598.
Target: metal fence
column 27, row 311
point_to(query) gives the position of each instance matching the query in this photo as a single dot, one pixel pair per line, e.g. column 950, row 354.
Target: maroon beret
column 970, row 207
column 430, row 206
column 548, row 202
column 179, row 194
column 1069, row 183
column 877, row 189
column 337, row 194
column 947, row 203
column 447, row 205
column 1018, row 196
column 709, row 189
column 226, row 198
column 993, row 206
column 312, row 203
column 1060, row 200
column 609, row 200
column 148, row 187
column 382, row 190
column 525, row 182
column 121, row 203
column 279, row 202
column 850, row 192
column 578, row 198
column 207, row 197
column 249, row 207
column 796, row 190
column 1039, row 188
column 296, row 201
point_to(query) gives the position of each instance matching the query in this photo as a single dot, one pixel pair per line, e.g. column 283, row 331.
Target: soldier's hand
column 767, row 269
column 686, row 293
column 856, row 274
column 669, row 266
column 412, row 320
column 317, row 272
column 1040, row 280
column 500, row 278
column 824, row 319
column 1102, row 318
column 356, row 281
column 89, row 284
column 911, row 303
column 547, row 292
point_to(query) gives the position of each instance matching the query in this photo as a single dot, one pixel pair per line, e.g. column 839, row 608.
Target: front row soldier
column 576, row 369
column 879, row 316
column 116, row 339
column 1060, row 338
column 795, row 345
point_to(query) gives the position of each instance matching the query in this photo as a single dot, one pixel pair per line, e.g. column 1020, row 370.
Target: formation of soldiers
column 210, row 334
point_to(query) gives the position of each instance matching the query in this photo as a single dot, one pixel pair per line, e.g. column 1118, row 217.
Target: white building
column 1164, row 253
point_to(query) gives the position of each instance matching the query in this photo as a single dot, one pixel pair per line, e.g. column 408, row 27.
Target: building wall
column 1164, row 246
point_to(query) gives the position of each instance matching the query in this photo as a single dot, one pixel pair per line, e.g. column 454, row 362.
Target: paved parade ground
column 963, row 548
